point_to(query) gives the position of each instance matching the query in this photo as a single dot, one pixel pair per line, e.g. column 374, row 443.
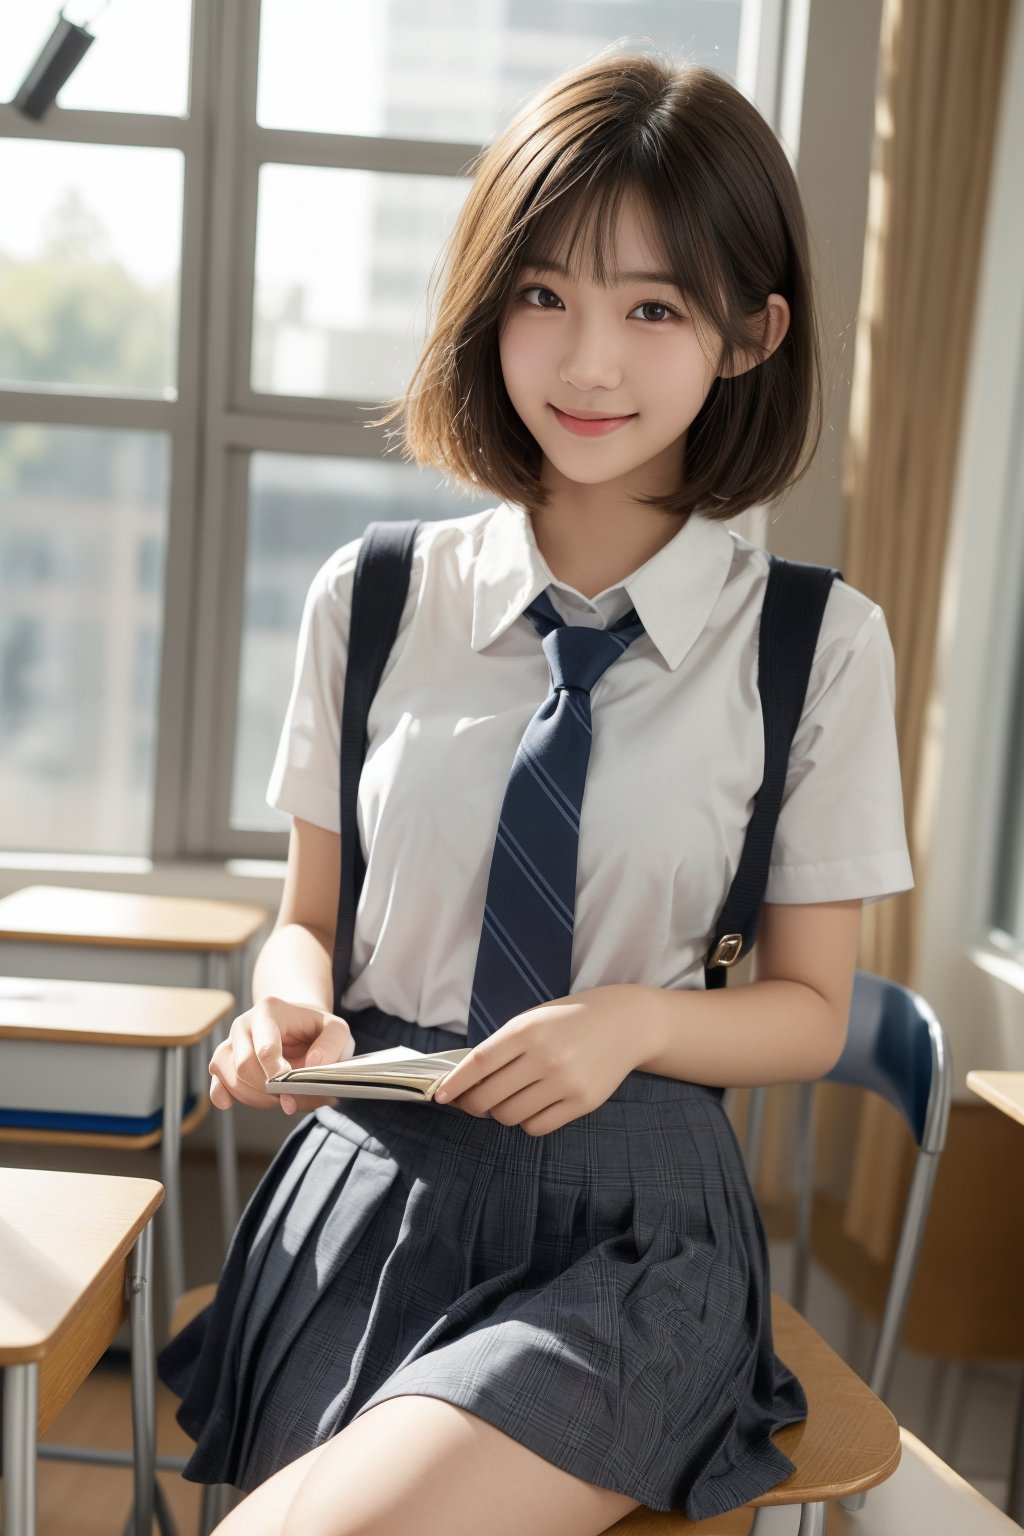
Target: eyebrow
column 618, row 277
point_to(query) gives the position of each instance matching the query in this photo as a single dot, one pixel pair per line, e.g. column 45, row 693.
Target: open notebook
column 397, row 1073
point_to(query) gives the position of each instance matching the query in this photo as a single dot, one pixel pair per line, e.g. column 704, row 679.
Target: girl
column 534, row 1306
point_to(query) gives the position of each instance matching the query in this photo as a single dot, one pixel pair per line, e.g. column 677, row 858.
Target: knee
column 317, row 1510
column 307, row 1517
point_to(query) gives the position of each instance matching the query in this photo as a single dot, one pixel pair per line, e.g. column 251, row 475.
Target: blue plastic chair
column 895, row 1047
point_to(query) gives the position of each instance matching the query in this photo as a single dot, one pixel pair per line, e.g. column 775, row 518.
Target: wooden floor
column 80, row 1500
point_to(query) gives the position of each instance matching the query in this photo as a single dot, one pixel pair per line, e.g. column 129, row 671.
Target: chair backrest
column 896, row 1047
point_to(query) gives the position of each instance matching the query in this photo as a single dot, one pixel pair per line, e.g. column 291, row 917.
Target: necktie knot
column 578, row 655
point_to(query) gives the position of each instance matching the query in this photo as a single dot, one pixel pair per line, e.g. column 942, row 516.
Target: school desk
column 75, row 1256
column 108, row 1047
column 1005, row 1090
column 122, row 936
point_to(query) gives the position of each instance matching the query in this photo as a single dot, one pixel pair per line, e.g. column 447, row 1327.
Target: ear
column 773, row 321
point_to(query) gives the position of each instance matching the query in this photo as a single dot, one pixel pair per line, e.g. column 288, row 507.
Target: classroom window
column 342, row 261
column 89, row 265
column 138, row 62
column 424, row 69
column 200, row 312
column 79, row 636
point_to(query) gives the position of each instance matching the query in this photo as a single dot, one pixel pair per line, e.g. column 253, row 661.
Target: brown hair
column 716, row 198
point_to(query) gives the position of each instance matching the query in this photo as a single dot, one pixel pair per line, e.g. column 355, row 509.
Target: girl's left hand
column 555, row 1062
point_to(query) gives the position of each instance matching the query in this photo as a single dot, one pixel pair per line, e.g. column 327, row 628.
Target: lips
column 591, row 415
column 590, row 426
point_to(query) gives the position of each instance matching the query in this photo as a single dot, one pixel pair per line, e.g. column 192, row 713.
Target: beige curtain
column 939, row 85
column 941, row 76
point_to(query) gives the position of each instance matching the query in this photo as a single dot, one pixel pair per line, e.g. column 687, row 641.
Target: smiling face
column 633, row 350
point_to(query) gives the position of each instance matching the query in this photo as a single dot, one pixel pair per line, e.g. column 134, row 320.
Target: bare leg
column 420, row 1466
column 262, row 1512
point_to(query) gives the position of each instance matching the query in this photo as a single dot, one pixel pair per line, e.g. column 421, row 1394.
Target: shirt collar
column 674, row 592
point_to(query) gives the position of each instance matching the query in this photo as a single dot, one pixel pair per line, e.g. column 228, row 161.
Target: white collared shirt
column 676, row 760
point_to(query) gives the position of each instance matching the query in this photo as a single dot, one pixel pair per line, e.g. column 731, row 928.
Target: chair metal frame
column 895, row 1047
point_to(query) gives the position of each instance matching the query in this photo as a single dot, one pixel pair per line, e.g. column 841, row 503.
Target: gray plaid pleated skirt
column 600, row 1293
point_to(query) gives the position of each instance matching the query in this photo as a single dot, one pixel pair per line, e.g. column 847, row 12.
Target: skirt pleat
column 600, row 1293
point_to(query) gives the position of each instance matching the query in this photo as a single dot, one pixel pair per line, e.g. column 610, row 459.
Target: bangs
column 574, row 226
column 583, row 217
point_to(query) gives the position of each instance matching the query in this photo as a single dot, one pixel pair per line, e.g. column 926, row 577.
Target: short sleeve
column 304, row 780
column 840, row 833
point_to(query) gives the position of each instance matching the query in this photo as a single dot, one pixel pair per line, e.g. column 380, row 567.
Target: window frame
column 179, row 418
column 241, row 420
column 216, row 421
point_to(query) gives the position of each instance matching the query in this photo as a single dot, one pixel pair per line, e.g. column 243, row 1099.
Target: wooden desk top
column 62, row 1235
column 60, row 914
column 1003, row 1089
column 107, row 1012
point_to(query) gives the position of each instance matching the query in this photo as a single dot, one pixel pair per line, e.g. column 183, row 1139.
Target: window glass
column 90, row 253
column 82, row 542
column 300, row 509
column 342, row 263
column 423, row 69
column 137, row 62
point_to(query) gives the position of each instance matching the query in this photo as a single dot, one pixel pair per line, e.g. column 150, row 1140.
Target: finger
column 471, row 1070
column 499, row 1086
column 245, row 1062
column 266, row 1044
column 551, row 1119
column 333, row 1043
column 219, row 1096
column 290, row 1104
column 530, row 1103
column 222, row 1068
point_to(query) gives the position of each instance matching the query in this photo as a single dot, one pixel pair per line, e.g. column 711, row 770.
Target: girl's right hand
column 273, row 1036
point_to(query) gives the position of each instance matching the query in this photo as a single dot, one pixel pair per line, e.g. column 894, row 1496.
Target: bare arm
column 292, row 1020
column 788, row 1025
column 295, row 961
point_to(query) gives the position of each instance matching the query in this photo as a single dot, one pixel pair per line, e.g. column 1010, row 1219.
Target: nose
column 590, row 360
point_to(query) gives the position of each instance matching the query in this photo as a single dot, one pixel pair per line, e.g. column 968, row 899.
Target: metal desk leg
column 1015, row 1501
column 170, row 1173
column 21, row 1414
column 224, row 971
column 140, row 1310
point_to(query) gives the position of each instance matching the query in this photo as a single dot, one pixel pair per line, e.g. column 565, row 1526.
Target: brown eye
column 657, row 304
column 537, row 288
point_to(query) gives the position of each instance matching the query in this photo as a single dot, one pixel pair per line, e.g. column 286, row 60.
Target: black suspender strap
column 791, row 614
column 379, row 589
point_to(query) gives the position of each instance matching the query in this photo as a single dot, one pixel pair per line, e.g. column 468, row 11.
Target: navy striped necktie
column 525, row 953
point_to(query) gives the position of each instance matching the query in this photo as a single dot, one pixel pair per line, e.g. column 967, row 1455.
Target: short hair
column 718, row 200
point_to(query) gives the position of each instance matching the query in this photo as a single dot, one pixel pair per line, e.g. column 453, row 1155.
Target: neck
column 592, row 541
column 594, row 536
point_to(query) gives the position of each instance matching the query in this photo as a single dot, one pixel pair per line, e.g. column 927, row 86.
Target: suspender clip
column 727, row 950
